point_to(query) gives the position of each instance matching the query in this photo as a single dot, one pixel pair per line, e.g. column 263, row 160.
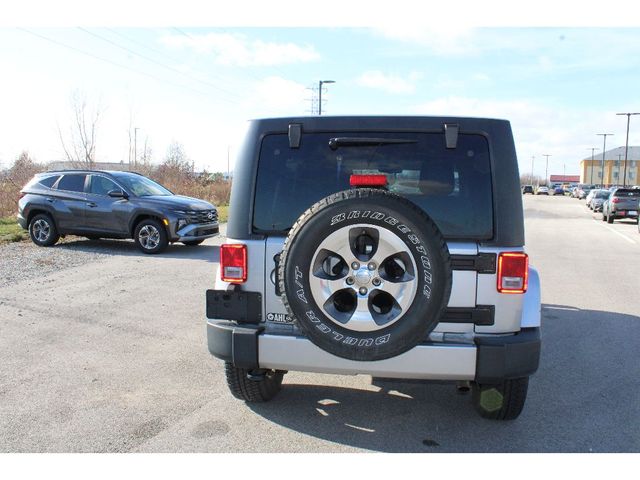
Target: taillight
column 513, row 272
column 233, row 263
column 368, row 180
column 615, row 200
column 21, row 194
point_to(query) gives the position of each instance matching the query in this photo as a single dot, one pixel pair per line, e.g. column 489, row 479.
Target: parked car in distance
column 558, row 190
column 583, row 192
column 542, row 190
column 598, row 197
column 622, row 203
column 528, row 189
column 109, row 204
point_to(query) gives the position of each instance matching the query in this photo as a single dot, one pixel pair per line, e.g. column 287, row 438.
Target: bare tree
column 14, row 179
column 80, row 146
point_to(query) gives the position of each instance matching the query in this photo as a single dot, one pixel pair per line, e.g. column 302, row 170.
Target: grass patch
column 10, row 231
column 223, row 213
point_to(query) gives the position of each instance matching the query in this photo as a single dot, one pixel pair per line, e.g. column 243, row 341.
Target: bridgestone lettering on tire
column 366, row 274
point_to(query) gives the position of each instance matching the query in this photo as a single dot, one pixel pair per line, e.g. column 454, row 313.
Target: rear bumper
column 625, row 213
column 491, row 359
column 22, row 221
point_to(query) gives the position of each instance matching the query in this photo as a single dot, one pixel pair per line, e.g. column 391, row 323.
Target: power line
column 172, row 58
column 191, row 37
column 156, row 62
column 43, row 37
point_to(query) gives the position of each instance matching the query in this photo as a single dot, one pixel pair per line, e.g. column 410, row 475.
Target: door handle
column 91, row 204
column 50, row 200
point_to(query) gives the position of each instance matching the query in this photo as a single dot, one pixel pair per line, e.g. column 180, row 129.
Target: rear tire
column 253, row 391
column 504, row 401
column 42, row 230
column 610, row 218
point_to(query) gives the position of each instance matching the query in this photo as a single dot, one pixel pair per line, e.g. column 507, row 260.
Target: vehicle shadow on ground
column 206, row 252
column 583, row 398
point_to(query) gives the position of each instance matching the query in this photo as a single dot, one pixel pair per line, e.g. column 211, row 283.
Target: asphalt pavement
column 111, row 356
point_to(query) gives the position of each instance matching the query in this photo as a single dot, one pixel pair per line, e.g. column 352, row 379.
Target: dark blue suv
column 108, row 204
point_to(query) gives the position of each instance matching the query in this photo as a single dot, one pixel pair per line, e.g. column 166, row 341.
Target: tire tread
column 252, row 391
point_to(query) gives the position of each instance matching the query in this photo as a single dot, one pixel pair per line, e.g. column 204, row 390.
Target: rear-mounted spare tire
column 366, row 274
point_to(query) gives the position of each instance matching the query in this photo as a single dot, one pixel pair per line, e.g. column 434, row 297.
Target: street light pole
column 604, row 147
column 546, row 169
column 626, row 148
column 320, row 94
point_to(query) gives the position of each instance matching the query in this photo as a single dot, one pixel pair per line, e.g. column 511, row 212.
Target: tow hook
column 463, row 387
column 256, row 375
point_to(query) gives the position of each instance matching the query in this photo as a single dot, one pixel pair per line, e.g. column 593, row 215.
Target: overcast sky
column 559, row 86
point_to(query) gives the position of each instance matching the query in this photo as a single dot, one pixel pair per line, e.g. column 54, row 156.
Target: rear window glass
column 452, row 185
column 603, row 194
column 627, row 193
column 48, row 181
column 72, row 183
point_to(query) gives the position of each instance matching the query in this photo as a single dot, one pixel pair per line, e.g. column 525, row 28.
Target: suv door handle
column 91, row 204
column 50, row 200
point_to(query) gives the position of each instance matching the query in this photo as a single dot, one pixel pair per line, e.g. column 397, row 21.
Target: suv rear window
column 626, row 193
column 452, row 185
column 48, row 181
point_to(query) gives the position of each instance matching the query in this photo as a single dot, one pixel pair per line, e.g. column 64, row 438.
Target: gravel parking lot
column 104, row 350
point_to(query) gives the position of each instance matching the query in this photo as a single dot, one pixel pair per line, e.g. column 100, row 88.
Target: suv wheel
column 366, row 274
column 42, row 230
column 504, row 401
column 610, row 218
column 261, row 389
column 150, row 236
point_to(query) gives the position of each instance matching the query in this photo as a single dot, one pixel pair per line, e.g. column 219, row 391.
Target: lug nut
column 363, row 291
column 371, row 266
column 376, row 282
column 355, row 265
column 350, row 280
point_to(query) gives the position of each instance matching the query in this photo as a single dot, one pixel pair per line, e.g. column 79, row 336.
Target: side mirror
column 118, row 194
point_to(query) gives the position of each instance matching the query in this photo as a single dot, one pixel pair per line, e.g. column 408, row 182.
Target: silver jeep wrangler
column 385, row 246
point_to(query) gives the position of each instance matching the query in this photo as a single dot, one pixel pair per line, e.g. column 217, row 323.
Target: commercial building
column 592, row 172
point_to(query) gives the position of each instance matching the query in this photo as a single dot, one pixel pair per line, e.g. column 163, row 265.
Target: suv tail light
column 615, row 200
column 368, row 180
column 233, row 263
column 513, row 272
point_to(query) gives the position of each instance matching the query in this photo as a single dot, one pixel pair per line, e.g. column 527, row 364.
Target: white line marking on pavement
column 616, row 232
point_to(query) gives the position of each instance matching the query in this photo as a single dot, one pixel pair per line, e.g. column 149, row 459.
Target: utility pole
column 604, row 147
column 592, row 162
column 626, row 148
column 135, row 146
column 546, row 169
column 320, row 94
column 532, row 159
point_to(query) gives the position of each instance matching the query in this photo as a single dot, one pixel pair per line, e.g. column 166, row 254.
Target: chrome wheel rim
column 363, row 277
column 41, row 230
column 149, row 237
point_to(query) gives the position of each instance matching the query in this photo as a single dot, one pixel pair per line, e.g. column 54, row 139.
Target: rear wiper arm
column 336, row 142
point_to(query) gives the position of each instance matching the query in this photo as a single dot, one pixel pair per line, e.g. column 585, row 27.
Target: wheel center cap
column 363, row 277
